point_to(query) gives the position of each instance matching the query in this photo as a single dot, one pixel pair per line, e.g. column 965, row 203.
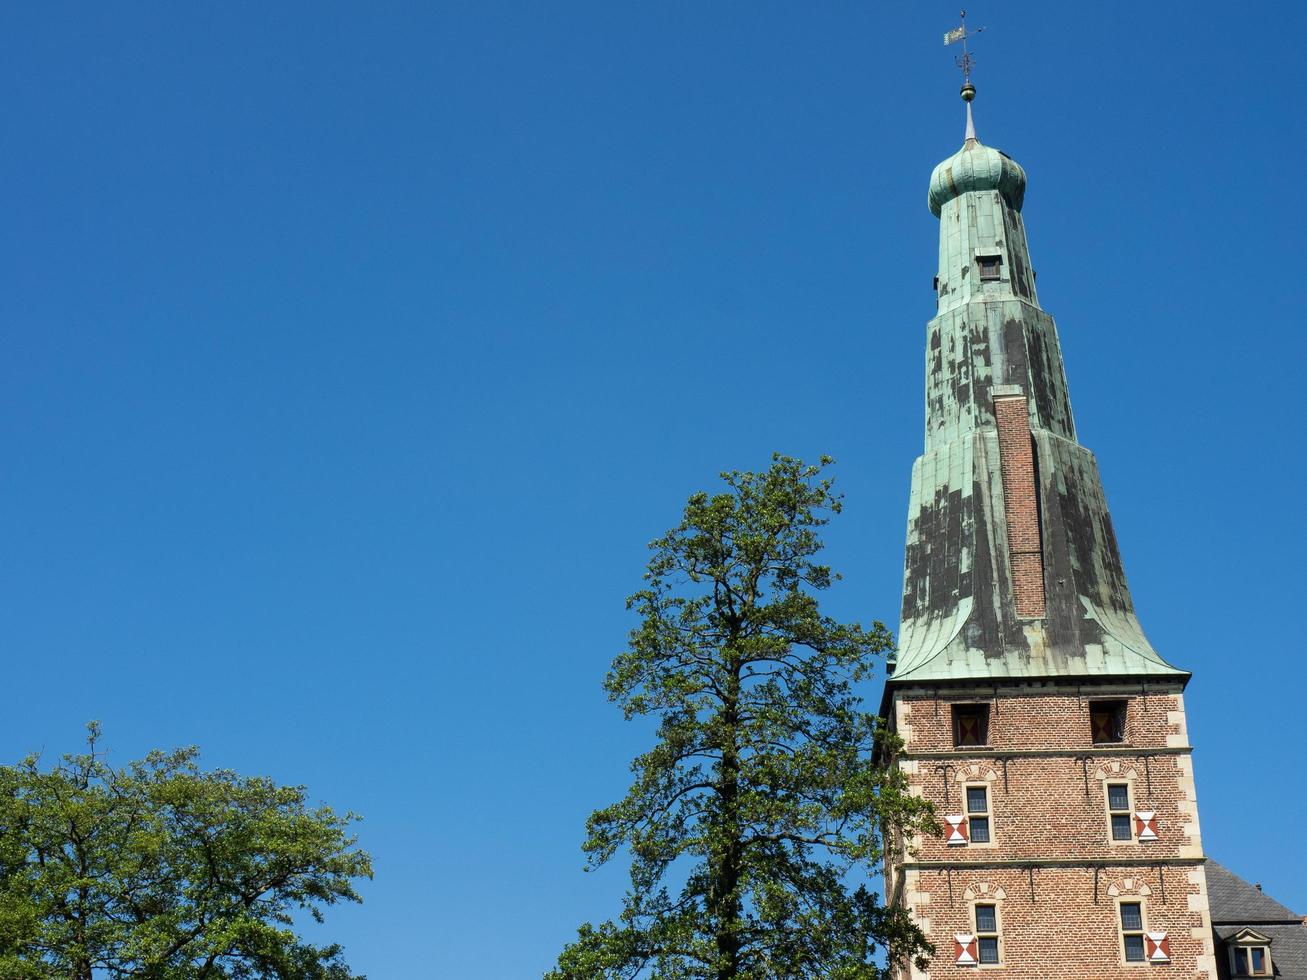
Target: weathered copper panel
column 989, row 338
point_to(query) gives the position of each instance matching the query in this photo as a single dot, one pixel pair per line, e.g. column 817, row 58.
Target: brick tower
column 1034, row 713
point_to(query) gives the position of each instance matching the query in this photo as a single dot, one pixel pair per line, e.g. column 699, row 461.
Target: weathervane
column 966, row 61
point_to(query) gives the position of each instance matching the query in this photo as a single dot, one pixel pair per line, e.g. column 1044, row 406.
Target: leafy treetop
column 162, row 871
column 763, row 794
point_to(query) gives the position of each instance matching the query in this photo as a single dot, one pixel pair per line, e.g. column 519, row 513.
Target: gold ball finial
column 968, row 92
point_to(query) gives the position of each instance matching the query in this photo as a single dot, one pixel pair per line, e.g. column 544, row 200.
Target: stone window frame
column 1119, row 779
column 986, row 893
column 977, row 774
column 1247, row 941
column 987, row 814
column 990, row 901
column 1141, row 932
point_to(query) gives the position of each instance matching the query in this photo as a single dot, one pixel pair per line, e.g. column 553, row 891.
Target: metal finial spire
column 966, row 61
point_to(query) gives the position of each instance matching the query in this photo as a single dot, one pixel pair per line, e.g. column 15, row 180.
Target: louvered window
column 990, row 266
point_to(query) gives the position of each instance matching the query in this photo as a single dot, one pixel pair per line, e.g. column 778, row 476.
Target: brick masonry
column 1020, row 504
column 1052, row 869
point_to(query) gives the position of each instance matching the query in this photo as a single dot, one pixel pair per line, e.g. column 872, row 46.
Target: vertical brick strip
column 1017, row 460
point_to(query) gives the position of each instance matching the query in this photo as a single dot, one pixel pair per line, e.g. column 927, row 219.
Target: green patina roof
column 992, row 337
column 976, row 167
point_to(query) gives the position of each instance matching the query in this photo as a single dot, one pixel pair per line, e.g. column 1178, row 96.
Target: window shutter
column 1156, row 947
column 965, row 952
column 969, row 728
column 955, row 830
column 1146, row 825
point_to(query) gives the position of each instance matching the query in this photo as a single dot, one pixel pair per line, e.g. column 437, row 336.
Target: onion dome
column 976, row 167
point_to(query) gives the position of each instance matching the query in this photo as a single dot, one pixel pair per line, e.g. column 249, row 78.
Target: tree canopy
column 160, row 870
column 753, row 823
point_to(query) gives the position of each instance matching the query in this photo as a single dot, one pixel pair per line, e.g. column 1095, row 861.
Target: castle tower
column 1034, row 713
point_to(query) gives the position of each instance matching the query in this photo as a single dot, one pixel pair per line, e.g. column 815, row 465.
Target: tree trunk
column 725, row 898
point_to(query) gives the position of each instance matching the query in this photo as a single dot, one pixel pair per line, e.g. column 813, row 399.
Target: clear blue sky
column 352, row 353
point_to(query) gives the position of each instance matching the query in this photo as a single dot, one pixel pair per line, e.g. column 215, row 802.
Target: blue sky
column 352, row 353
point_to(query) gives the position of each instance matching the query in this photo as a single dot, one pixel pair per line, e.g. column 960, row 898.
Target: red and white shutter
column 1146, row 825
column 965, row 951
column 955, row 830
column 1156, row 947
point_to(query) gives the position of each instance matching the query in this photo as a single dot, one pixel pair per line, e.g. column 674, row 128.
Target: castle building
column 1033, row 711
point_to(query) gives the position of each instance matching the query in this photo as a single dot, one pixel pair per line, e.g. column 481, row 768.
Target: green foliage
column 162, row 871
column 764, row 791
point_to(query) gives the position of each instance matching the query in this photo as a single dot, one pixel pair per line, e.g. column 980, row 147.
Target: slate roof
column 1236, row 905
column 1234, row 900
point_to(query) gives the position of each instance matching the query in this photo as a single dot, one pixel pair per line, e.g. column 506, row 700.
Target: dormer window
column 1252, row 961
column 1250, row 955
column 990, row 267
